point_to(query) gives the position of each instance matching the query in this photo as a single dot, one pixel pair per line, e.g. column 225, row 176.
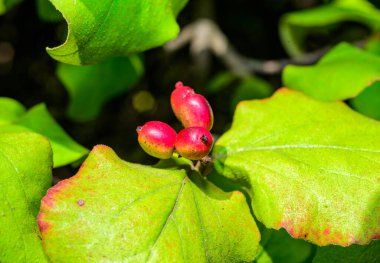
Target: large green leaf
column 352, row 254
column 279, row 247
column 14, row 118
column 90, row 87
column 341, row 74
column 110, row 28
column 25, row 175
column 295, row 27
column 310, row 167
column 118, row 211
column 5, row 5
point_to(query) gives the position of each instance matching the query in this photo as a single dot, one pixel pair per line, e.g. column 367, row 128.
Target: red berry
column 157, row 139
column 194, row 143
column 193, row 110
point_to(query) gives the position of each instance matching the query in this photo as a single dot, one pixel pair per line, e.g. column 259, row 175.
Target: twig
column 205, row 36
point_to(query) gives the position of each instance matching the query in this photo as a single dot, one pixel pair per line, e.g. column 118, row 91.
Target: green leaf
column 118, row 211
column 352, row 254
column 10, row 110
column 110, row 28
column 219, row 82
column 250, row 88
column 295, row 26
column 90, row 87
column 25, row 175
column 341, row 74
column 368, row 102
column 6, row 5
column 13, row 118
column 310, row 167
column 279, row 247
column 65, row 149
column 373, row 46
column 47, row 12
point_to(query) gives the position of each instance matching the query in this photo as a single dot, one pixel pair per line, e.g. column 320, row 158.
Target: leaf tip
column 101, row 148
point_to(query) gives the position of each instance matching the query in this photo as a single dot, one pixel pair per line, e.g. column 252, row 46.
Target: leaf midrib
column 296, row 146
column 172, row 211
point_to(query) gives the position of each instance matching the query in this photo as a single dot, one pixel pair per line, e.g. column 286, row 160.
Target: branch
column 205, row 36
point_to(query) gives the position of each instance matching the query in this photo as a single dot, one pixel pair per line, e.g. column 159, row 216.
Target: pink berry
column 194, row 143
column 157, row 139
column 192, row 109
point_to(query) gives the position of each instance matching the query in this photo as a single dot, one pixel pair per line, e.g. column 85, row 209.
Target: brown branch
column 205, row 36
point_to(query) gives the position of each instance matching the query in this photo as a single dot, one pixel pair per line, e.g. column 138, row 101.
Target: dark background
column 27, row 73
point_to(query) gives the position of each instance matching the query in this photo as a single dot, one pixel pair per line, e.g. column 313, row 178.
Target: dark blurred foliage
column 27, row 73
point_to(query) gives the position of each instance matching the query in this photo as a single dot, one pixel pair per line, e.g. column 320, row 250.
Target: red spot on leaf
column 81, row 202
column 375, row 236
column 317, row 236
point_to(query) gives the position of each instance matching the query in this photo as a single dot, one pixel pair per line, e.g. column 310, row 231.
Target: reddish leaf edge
column 47, row 201
column 319, row 237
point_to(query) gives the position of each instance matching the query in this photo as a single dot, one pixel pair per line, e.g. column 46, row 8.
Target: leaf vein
column 168, row 218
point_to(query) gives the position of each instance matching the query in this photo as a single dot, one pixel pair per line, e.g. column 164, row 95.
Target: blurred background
column 29, row 75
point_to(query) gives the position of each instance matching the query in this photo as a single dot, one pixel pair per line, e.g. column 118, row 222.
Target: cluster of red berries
column 194, row 141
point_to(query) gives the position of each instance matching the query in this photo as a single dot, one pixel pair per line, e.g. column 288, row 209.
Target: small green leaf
column 118, row 211
column 341, row 74
column 310, row 167
column 109, row 28
column 219, row 82
column 10, row 110
column 368, row 102
column 65, row 149
column 25, row 175
column 14, row 118
column 6, row 5
column 250, row 88
column 90, row 87
column 279, row 247
column 352, row 254
column 47, row 12
column 294, row 27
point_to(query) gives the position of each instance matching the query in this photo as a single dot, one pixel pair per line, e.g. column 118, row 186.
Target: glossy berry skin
column 157, row 139
column 194, row 143
column 192, row 109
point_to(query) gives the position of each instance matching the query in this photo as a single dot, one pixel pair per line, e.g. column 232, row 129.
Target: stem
column 204, row 36
column 203, row 166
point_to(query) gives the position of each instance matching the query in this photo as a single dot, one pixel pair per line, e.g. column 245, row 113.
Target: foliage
column 25, row 168
column 294, row 178
column 103, row 29
column 92, row 86
column 14, row 118
column 295, row 27
column 282, row 164
column 193, row 220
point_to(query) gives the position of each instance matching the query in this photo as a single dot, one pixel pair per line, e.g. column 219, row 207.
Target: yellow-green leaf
column 25, row 175
column 118, row 211
column 310, row 167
